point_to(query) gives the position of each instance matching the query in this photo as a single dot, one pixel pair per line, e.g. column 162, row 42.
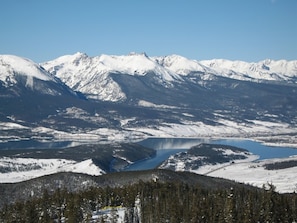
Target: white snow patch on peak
column 91, row 75
column 69, row 57
column 180, row 65
column 262, row 70
column 136, row 64
column 132, row 64
column 11, row 65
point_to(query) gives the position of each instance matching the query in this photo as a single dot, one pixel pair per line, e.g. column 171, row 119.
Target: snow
column 144, row 103
column 135, row 64
column 92, row 75
column 262, row 70
column 227, row 128
column 255, row 174
column 109, row 213
column 86, row 74
column 86, row 166
column 28, row 168
column 180, row 65
column 11, row 125
column 249, row 170
column 209, row 169
column 246, row 171
column 11, row 65
column 256, row 129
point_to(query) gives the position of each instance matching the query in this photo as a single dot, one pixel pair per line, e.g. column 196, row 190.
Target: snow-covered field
column 249, row 171
column 255, row 173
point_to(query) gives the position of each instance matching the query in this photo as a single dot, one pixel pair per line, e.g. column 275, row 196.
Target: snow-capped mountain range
column 93, row 75
column 123, row 97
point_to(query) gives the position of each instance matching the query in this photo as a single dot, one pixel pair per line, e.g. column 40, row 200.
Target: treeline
column 158, row 202
column 281, row 165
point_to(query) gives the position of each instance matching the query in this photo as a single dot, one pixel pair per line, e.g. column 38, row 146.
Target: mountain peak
column 138, row 54
column 179, row 64
column 12, row 66
column 92, row 75
column 263, row 70
column 19, row 75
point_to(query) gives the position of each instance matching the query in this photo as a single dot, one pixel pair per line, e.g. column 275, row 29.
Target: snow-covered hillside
column 11, row 65
column 23, row 72
column 259, row 174
column 92, row 75
column 14, row 170
column 239, row 166
column 181, row 65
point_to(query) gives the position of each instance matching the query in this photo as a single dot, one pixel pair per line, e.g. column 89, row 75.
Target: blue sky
column 249, row 30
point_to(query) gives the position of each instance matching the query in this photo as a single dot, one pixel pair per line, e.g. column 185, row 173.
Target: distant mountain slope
column 270, row 70
column 19, row 75
column 97, row 77
column 91, row 75
column 174, row 82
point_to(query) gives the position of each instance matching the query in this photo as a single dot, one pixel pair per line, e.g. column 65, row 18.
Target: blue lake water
column 152, row 163
column 34, row 144
column 264, row 151
column 166, row 147
column 169, row 146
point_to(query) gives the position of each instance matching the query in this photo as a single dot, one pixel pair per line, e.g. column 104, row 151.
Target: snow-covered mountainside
column 11, row 65
column 96, row 76
column 168, row 96
column 92, row 75
column 270, row 70
column 17, row 74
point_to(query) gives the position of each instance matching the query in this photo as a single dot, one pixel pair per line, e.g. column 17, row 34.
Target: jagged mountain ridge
column 95, row 76
column 92, row 75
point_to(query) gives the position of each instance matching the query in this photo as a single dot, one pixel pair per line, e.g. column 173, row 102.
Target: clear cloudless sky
column 249, row 30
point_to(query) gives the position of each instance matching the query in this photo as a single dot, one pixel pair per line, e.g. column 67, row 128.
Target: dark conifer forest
column 152, row 202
